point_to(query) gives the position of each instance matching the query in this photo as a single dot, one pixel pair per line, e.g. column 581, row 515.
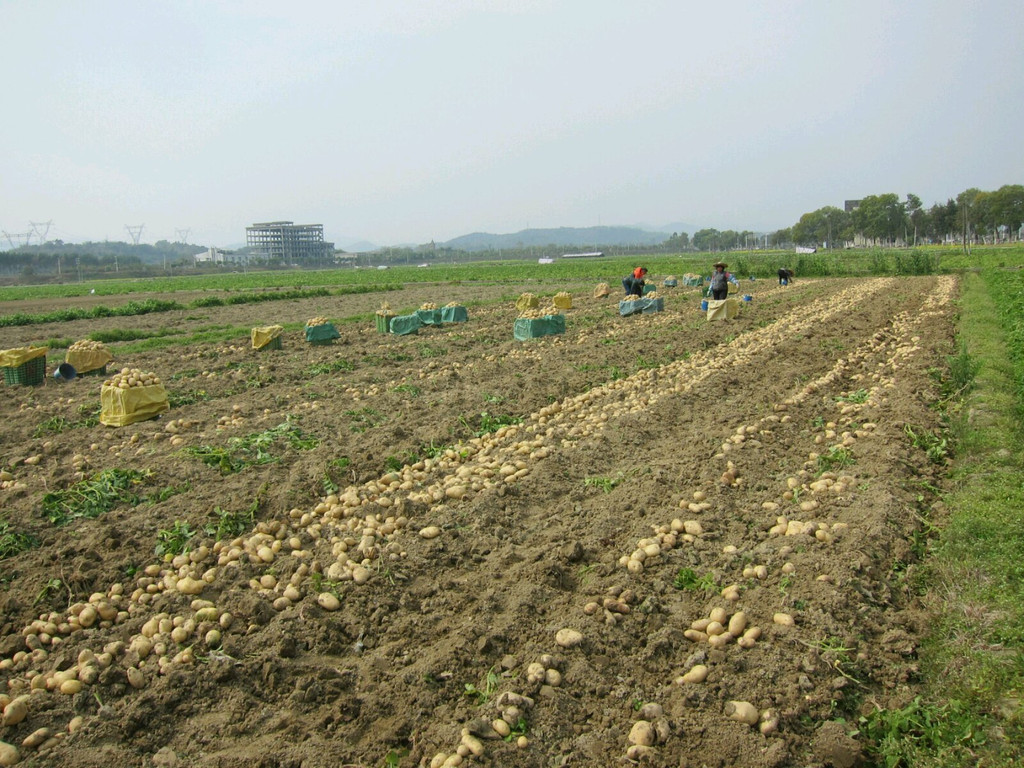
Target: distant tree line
column 72, row 261
column 974, row 216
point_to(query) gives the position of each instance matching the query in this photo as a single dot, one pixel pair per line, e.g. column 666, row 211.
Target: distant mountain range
column 574, row 237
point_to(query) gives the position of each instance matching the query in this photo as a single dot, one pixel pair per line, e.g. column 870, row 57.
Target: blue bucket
column 747, row 297
column 704, row 305
column 65, row 372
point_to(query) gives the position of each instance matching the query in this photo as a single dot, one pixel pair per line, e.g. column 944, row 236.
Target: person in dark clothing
column 633, row 283
column 785, row 276
column 719, row 282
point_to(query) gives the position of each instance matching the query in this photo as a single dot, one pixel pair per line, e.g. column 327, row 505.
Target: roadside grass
column 970, row 712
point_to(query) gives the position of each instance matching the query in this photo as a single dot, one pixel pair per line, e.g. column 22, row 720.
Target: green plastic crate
column 320, row 335
column 30, row 372
column 383, row 323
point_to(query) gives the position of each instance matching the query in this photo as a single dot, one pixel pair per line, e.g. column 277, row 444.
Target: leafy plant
column 688, row 579
column 329, row 483
column 167, row 492
column 492, row 423
column 229, row 524
column 334, row 366
column 898, row 737
column 484, row 694
column 428, row 351
column 407, row 389
column 94, row 496
column 365, row 418
column 57, row 424
column 936, row 448
column 585, row 573
column 858, row 397
column 50, row 589
column 175, row 540
column 519, row 729
column 431, row 450
column 252, row 450
column 395, row 463
column 836, row 457
column 604, row 483
column 188, row 397
column 12, row 542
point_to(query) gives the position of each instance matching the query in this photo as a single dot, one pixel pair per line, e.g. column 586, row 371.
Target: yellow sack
column 563, row 300
column 724, row 309
column 527, row 301
column 119, row 407
column 264, row 335
column 12, row 358
column 85, row 360
column 601, row 291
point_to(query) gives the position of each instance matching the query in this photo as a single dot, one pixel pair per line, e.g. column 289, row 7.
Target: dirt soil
column 406, row 572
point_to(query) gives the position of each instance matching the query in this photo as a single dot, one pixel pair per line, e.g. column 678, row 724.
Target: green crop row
column 760, row 264
column 152, row 305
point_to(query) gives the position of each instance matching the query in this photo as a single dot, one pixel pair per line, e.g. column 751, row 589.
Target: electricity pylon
column 37, row 225
column 27, row 236
column 135, row 232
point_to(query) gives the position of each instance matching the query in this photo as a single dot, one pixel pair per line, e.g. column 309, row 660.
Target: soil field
column 651, row 539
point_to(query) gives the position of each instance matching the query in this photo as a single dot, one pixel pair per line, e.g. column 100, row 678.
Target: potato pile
column 385, row 310
column 451, row 304
column 87, row 344
column 534, row 314
column 315, row 321
column 132, row 377
column 428, row 305
column 563, row 295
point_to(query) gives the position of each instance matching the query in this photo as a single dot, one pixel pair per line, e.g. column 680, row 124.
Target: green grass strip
column 970, row 713
column 147, row 306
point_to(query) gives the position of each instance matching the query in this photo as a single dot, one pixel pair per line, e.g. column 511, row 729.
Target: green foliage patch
column 252, row 450
column 94, row 496
column 14, row 542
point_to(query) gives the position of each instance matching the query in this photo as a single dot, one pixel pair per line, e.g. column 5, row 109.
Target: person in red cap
column 634, row 283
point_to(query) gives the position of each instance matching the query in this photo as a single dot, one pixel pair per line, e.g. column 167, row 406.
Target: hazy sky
column 401, row 121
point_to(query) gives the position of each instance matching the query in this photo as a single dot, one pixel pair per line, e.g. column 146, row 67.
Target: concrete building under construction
column 288, row 243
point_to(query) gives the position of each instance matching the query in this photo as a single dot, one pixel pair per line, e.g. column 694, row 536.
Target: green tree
column 678, row 242
column 825, row 225
column 941, row 221
column 880, row 217
column 1007, row 207
column 781, row 237
column 707, row 240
